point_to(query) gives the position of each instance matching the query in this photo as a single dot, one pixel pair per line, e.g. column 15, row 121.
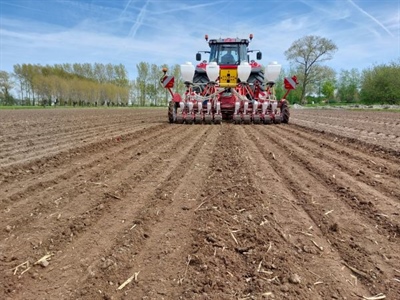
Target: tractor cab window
column 228, row 54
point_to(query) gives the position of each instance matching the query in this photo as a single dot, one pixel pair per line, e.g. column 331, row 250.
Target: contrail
column 126, row 7
column 20, row 6
column 371, row 17
column 139, row 20
column 188, row 7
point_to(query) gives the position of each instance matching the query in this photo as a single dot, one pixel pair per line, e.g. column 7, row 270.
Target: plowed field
column 119, row 204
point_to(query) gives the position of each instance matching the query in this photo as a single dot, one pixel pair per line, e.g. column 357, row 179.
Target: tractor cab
column 229, row 51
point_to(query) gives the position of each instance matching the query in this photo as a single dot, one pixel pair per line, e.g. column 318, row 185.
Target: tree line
column 106, row 84
column 378, row 84
column 86, row 85
column 66, row 84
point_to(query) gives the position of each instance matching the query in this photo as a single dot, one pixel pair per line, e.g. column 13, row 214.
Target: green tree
column 28, row 72
column 153, row 85
column 279, row 86
column 328, row 89
column 121, row 76
column 349, row 85
column 142, row 81
column 21, row 80
column 306, row 54
column 6, row 84
column 381, row 84
column 134, row 93
column 179, row 83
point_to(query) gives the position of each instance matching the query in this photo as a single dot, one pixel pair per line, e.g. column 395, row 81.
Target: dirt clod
column 294, row 278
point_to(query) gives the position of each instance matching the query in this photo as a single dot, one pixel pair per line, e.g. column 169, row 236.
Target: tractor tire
column 200, row 78
column 278, row 119
column 256, row 119
column 237, row 119
column 257, row 76
column 208, row 119
column 189, row 119
column 217, row 119
column 198, row 119
column 171, row 111
column 246, row 119
column 267, row 119
column 179, row 119
column 285, row 113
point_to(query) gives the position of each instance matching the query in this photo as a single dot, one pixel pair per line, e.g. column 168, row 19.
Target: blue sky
column 160, row 31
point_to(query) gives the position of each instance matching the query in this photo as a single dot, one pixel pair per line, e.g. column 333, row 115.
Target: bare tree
column 307, row 53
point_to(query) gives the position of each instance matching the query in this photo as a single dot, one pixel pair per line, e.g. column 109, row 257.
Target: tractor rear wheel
column 257, row 76
column 171, row 111
column 285, row 113
column 200, row 80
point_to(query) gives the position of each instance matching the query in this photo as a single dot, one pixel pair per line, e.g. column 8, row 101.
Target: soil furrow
column 57, row 145
column 360, row 245
column 120, row 210
column 61, row 125
column 103, row 181
column 164, row 226
column 239, row 248
column 383, row 162
column 30, row 144
column 360, row 126
column 363, row 119
column 303, row 236
column 48, row 168
column 375, row 172
column 360, row 197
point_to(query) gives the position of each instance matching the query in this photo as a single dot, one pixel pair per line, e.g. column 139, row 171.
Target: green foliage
column 6, row 85
column 279, row 90
column 349, row 86
column 328, row 89
column 381, row 84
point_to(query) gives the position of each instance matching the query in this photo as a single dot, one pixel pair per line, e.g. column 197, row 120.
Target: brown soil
column 91, row 198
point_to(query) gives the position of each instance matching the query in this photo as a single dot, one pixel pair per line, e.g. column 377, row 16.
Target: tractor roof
column 228, row 41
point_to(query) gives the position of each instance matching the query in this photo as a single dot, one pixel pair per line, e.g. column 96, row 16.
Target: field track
column 90, row 198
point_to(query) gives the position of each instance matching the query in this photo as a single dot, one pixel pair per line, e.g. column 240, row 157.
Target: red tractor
column 229, row 86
